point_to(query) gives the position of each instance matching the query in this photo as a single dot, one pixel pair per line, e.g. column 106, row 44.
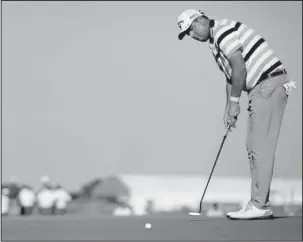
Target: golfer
column 249, row 65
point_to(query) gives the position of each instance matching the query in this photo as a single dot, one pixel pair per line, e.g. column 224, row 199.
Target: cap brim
column 181, row 35
column 184, row 32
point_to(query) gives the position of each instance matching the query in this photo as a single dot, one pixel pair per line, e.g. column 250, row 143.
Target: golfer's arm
column 228, row 92
column 238, row 74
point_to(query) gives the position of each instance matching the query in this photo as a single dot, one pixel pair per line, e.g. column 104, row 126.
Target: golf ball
column 147, row 225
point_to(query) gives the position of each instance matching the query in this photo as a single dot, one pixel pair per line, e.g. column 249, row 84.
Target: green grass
column 168, row 227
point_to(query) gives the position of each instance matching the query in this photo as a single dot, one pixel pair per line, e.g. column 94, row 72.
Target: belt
column 265, row 76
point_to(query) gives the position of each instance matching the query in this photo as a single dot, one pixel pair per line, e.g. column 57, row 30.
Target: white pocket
column 288, row 87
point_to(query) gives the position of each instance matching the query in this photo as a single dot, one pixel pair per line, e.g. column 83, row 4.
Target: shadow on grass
column 204, row 218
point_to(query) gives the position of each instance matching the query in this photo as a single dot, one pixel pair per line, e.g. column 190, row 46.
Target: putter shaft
column 227, row 130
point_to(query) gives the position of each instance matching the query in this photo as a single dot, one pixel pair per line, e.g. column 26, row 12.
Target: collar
column 211, row 38
column 211, row 23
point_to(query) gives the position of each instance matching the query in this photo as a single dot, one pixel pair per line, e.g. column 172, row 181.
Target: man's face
column 198, row 31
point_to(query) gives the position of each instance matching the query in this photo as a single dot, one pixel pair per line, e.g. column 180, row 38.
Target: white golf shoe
column 242, row 209
column 252, row 212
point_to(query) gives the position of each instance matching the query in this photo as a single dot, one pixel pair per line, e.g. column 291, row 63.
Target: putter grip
column 227, row 129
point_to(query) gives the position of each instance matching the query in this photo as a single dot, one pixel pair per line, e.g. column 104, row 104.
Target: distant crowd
column 52, row 199
column 48, row 200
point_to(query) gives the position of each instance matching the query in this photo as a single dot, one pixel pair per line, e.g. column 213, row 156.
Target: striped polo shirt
column 228, row 36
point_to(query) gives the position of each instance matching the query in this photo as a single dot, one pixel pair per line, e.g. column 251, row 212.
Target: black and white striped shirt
column 228, row 36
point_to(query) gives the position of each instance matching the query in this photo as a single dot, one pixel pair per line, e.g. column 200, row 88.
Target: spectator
column 13, row 193
column 14, row 188
column 62, row 198
column 26, row 199
column 45, row 197
column 150, row 206
column 5, row 203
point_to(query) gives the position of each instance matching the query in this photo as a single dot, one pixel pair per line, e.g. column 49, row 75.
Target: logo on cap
column 180, row 23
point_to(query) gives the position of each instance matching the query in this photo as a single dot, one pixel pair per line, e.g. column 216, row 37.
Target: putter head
column 194, row 214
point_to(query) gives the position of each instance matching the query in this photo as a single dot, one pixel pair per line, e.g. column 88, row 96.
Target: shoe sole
column 228, row 216
column 270, row 217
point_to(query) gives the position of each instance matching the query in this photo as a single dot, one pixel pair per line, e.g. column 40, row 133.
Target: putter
column 200, row 207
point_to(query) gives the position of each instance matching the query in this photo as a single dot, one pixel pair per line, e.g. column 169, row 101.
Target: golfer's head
column 195, row 24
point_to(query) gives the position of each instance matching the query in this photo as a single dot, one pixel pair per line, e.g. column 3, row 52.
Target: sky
column 91, row 89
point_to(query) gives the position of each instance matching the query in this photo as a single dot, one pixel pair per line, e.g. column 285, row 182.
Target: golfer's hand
column 233, row 112
column 225, row 117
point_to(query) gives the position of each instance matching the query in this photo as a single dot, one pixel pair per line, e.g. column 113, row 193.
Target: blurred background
column 105, row 111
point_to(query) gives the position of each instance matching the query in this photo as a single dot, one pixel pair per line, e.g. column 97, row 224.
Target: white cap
column 185, row 19
column 45, row 179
